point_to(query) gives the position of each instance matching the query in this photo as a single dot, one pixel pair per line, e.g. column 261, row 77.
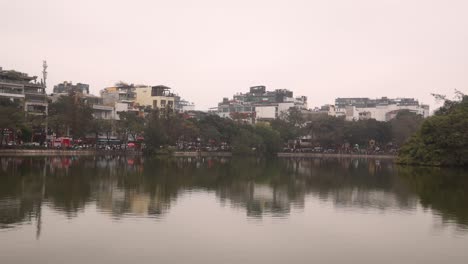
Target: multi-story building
column 381, row 109
column 100, row 111
column 122, row 93
column 122, row 97
column 155, row 97
column 182, row 106
column 24, row 89
column 161, row 97
column 67, row 87
column 260, row 104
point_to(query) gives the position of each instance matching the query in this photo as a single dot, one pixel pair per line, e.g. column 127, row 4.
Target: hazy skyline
column 209, row 49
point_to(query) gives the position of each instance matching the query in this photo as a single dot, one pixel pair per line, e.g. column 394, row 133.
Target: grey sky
column 209, row 49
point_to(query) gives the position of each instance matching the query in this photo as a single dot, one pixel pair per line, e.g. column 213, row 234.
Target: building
column 122, row 93
column 155, row 97
column 104, row 112
column 182, row 106
column 381, row 109
column 24, row 89
column 67, row 87
column 80, row 90
column 260, row 104
column 122, row 98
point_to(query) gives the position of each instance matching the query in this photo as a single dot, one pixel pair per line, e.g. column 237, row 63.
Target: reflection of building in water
column 357, row 183
column 362, row 198
column 260, row 199
column 121, row 188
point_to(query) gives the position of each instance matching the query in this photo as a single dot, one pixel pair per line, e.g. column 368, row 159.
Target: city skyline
column 209, row 51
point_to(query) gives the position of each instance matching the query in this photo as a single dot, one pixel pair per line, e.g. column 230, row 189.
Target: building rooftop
column 12, row 75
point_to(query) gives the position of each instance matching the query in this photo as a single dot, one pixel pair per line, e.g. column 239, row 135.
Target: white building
column 260, row 104
column 383, row 109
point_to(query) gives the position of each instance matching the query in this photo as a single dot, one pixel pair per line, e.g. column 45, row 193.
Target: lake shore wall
column 201, row 154
column 59, row 152
column 333, row 155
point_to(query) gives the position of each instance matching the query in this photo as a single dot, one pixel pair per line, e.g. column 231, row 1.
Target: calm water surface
column 135, row 210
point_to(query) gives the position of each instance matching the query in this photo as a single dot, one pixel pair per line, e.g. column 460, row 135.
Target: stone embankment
column 61, row 152
column 334, row 155
column 201, row 154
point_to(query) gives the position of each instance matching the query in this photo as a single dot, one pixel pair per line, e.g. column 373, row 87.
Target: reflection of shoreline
column 124, row 186
column 61, row 152
column 333, row 155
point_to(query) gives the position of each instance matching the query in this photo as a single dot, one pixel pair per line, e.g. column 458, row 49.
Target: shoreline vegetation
column 440, row 140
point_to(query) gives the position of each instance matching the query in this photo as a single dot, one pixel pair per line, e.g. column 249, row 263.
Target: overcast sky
column 209, row 49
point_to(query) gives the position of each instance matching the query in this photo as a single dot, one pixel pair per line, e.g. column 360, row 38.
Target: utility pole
column 44, row 85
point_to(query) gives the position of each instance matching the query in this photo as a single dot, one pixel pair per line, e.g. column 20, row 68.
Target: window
column 155, row 104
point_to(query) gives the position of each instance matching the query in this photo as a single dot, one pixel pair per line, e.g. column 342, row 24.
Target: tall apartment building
column 260, row 104
column 380, row 109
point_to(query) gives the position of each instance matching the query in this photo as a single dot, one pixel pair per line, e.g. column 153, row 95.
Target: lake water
column 216, row 210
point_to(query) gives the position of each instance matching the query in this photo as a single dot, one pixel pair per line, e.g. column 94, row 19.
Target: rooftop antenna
column 44, row 85
column 44, row 73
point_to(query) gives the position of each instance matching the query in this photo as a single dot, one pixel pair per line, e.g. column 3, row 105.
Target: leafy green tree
column 70, row 116
column 12, row 117
column 270, row 140
column 326, row 131
column 361, row 132
column 245, row 142
column 101, row 126
column 290, row 125
column 130, row 124
column 442, row 139
column 155, row 134
column 404, row 125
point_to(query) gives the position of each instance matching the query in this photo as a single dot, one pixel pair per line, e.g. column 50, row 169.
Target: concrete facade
column 259, row 104
column 156, row 97
column 382, row 109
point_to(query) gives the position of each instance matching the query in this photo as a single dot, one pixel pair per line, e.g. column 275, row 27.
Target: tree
column 361, row 132
column 270, row 140
column 290, row 124
column 12, row 118
column 70, row 116
column 130, row 124
column 442, row 139
column 155, row 135
column 404, row 125
column 245, row 142
column 326, row 131
column 101, row 126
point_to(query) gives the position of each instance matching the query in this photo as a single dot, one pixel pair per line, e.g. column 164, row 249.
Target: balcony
column 11, row 93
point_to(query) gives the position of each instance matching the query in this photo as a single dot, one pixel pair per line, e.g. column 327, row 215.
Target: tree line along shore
column 440, row 140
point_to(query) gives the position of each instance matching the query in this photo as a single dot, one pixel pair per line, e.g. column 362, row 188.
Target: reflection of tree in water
column 19, row 196
column 356, row 183
column 122, row 186
column 441, row 189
